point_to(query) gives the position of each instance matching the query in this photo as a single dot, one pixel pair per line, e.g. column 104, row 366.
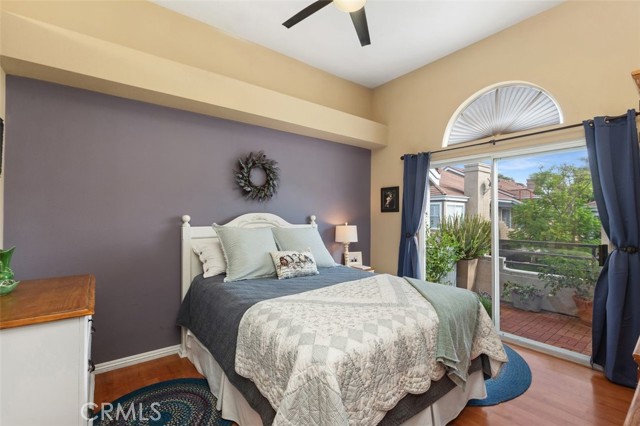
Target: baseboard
column 136, row 359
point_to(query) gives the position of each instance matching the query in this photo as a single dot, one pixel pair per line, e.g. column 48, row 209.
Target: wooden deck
column 559, row 330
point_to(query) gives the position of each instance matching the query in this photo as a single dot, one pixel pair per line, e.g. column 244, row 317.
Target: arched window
column 500, row 109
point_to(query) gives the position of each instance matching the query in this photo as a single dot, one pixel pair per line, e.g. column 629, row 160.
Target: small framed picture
column 355, row 258
column 389, row 199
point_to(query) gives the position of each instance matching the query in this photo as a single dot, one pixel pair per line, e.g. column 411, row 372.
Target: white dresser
column 46, row 374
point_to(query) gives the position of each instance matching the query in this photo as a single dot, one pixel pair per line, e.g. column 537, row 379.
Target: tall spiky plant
column 471, row 233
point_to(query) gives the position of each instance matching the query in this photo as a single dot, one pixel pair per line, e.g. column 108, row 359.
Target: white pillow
column 211, row 256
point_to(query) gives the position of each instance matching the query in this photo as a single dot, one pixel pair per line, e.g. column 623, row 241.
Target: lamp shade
column 346, row 233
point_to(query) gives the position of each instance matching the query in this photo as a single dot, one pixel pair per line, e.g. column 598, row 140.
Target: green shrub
column 578, row 274
column 485, row 300
column 472, row 235
column 442, row 255
column 524, row 291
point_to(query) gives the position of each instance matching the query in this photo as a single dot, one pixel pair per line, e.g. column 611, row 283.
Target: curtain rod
column 494, row 141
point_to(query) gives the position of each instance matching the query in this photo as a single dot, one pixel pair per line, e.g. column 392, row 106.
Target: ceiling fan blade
column 359, row 19
column 306, row 12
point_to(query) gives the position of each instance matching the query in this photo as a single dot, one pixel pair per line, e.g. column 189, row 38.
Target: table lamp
column 346, row 234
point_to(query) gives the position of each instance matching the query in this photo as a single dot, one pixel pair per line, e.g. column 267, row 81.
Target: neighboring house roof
column 451, row 183
column 515, row 189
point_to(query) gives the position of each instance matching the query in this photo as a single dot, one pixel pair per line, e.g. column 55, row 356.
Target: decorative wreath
column 243, row 176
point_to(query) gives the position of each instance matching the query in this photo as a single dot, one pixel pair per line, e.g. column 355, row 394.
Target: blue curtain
column 415, row 185
column 614, row 160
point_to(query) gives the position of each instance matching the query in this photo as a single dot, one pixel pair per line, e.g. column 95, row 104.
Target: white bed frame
column 191, row 266
column 230, row 401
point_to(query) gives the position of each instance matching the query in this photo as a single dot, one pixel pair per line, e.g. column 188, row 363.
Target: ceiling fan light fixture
column 349, row 5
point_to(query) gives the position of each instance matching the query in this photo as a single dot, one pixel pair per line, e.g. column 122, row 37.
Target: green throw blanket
column 457, row 311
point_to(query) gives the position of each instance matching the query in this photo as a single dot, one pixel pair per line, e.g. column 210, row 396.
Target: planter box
column 585, row 309
column 466, row 273
column 532, row 304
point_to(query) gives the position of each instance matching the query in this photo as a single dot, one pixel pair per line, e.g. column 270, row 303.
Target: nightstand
column 363, row 268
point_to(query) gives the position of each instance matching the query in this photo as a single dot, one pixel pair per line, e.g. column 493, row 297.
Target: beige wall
column 581, row 52
column 105, row 46
column 146, row 27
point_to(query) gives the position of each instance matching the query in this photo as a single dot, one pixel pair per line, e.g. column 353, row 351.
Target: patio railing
column 527, row 255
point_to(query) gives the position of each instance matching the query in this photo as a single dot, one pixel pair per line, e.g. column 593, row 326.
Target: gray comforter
column 213, row 311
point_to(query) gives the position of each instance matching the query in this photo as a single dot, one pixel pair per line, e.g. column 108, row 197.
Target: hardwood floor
column 116, row 383
column 562, row 393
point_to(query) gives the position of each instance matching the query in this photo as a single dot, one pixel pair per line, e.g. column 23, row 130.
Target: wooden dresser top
column 50, row 299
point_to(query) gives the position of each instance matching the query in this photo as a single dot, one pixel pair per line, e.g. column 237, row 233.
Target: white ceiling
column 405, row 34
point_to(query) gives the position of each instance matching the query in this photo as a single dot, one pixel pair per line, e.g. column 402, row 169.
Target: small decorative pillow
column 212, row 258
column 290, row 264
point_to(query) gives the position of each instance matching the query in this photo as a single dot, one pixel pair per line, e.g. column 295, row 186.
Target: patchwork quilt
column 346, row 354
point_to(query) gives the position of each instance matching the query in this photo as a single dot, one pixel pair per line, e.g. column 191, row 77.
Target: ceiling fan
column 355, row 8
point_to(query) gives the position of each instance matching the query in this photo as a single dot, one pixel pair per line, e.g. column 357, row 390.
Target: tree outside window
column 559, row 210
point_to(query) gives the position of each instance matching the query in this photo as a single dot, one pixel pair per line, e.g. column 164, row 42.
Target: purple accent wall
column 97, row 184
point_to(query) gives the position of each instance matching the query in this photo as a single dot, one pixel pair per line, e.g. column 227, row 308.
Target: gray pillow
column 247, row 252
column 302, row 239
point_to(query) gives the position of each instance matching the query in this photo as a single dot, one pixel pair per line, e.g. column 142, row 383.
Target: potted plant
column 442, row 255
column 523, row 296
column 472, row 235
column 580, row 275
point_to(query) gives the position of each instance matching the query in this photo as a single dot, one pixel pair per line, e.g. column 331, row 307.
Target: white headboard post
column 190, row 263
column 186, row 253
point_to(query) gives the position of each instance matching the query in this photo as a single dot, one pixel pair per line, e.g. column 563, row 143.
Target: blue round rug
column 512, row 381
column 178, row 402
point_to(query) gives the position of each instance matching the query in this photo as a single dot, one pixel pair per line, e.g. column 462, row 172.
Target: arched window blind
column 501, row 109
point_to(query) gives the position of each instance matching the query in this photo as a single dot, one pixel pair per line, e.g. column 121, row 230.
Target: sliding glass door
column 549, row 248
column 546, row 242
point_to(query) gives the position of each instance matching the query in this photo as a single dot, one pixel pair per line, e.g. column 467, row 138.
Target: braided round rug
column 512, row 381
column 178, row 402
